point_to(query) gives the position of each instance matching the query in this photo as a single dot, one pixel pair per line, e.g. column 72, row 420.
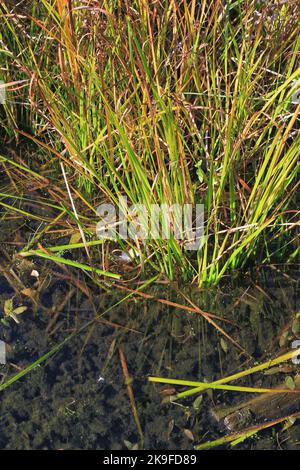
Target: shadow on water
column 78, row 399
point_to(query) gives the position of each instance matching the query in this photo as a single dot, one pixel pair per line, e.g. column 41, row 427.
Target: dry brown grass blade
column 128, row 381
column 175, row 304
column 64, row 8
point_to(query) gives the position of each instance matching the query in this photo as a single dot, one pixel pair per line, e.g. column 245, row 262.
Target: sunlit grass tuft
column 163, row 102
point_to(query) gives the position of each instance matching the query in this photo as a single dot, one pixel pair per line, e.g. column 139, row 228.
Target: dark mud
column 77, row 399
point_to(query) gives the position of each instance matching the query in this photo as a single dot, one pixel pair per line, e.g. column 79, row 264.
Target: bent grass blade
column 74, row 264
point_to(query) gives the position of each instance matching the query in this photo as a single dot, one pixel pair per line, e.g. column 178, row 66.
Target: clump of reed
column 165, row 102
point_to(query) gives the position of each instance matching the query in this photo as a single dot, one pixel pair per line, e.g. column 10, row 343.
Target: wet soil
column 77, row 399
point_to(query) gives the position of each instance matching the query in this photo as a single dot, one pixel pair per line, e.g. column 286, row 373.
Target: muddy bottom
column 77, row 399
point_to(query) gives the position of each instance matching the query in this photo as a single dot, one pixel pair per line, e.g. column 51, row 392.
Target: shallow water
column 77, row 399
